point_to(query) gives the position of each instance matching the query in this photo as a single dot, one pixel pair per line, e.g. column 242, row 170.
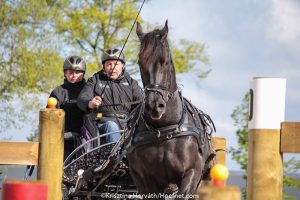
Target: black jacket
column 123, row 89
column 66, row 95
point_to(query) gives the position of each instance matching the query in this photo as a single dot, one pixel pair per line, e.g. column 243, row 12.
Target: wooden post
column 51, row 150
column 220, row 145
column 210, row 192
column 264, row 177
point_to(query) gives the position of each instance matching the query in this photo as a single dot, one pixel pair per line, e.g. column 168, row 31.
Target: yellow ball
column 52, row 101
column 219, row 172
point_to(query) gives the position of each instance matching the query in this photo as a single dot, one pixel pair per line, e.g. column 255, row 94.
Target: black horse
column 170, row 146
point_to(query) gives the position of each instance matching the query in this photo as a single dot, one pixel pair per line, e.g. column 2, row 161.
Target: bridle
column 160, row 89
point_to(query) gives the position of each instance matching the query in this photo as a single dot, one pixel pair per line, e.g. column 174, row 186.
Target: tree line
column 36, row 36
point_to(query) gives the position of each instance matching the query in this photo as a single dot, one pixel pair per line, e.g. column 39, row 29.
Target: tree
column 240, row 115
column 35, row 37
column 94, row 26
column 27, row 57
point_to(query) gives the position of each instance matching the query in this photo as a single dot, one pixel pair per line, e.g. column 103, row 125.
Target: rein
column 109, row 81
column 127, row 103
column 82, row 179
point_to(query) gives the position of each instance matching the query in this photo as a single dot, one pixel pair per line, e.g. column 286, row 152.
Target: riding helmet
column 113, row 54
column 74, row 63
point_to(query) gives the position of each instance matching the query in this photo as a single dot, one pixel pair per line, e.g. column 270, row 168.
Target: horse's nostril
column 161, row 105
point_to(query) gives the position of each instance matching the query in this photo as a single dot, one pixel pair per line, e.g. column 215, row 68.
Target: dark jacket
column 66, row 95
column 124, row 89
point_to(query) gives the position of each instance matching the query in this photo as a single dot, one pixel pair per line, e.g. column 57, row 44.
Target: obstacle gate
column 47, row 154
column 269, row 137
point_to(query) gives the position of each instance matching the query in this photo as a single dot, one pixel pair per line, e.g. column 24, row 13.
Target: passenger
column 119, row 86
column 66, row 94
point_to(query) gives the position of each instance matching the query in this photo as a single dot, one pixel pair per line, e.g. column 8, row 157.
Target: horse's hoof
column 171, row 189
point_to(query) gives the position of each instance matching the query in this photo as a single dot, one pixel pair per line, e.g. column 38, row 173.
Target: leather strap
column 121, row 116
column 148, row 137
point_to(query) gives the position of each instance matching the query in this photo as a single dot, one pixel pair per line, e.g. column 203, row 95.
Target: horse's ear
column 139, row 30
column 164, row 31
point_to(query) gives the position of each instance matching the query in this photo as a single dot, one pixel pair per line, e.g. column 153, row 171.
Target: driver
column 106, row 90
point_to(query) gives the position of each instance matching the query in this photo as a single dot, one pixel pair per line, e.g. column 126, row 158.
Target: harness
column 165, row 133
column 200, row 130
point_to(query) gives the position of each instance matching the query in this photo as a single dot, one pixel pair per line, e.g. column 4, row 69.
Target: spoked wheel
column 65, row 192
column 117, row 181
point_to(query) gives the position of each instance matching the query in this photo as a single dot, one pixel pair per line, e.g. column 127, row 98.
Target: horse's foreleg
column 139, row 182
column 152, row 189
column 146, row 187
column 189, row 184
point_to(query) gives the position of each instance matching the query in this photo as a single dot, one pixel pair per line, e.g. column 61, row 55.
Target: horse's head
column 157, row 70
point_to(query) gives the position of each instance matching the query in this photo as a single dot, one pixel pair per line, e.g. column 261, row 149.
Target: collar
column 73, row 86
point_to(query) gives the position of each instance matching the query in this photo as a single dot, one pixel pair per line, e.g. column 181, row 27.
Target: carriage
column 100, row 170
column 93, row 170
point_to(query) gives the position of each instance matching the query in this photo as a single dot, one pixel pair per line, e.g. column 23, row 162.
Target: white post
column 267, row 107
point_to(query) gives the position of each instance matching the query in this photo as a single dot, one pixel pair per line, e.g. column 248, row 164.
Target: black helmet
column 74, row 63
column 113, row 54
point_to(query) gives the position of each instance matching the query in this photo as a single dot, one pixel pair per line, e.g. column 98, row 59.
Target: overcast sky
column 245, row 39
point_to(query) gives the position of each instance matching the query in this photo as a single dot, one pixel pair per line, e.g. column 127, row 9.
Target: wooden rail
column 19, row 153
column 47, row 154
column 26, row 153
column 290, row 137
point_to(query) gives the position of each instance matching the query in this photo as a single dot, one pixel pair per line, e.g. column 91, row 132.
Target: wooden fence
column 47, row 154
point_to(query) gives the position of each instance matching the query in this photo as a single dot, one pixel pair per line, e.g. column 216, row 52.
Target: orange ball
column 52, row 102
column 219, row 172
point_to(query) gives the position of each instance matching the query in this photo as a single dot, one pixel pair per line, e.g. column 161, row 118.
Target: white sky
column 245, row 39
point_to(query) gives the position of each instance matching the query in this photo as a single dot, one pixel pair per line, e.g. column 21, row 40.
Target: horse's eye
column 162, row 61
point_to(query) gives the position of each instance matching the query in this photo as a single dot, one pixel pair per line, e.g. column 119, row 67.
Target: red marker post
column 24, row 190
